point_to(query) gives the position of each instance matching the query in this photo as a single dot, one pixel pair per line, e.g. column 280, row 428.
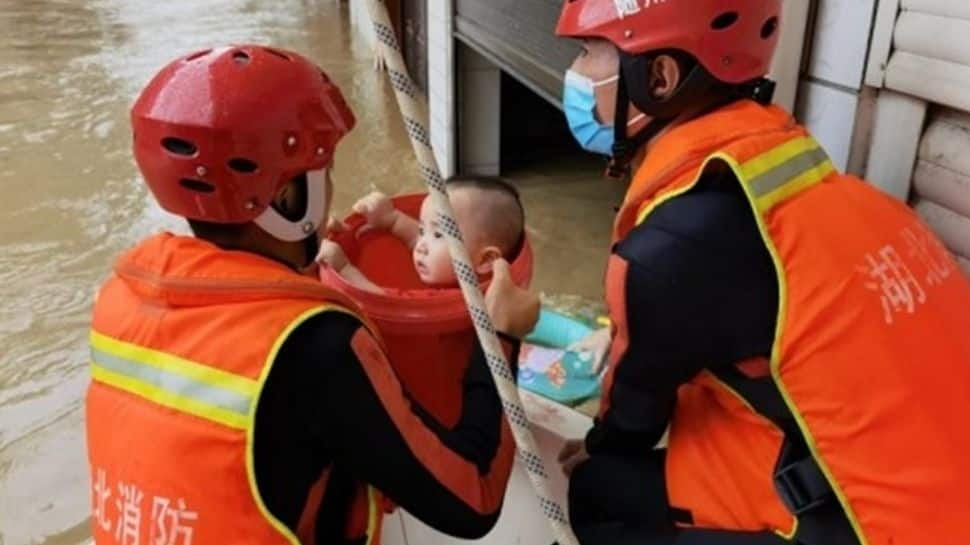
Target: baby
column 489, row 214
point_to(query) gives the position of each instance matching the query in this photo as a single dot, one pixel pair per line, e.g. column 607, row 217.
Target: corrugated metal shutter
column 941, row 181
column 519, row 36
column 931, row 59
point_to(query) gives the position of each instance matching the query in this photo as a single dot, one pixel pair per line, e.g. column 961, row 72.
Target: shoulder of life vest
column 191, row 377
column 770, row 168
column 848, row 313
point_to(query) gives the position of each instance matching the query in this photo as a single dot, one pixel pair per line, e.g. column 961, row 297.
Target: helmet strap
column 697, row 87
column 693, row 88
column 311, row 247
column 625, row 147
column 761, row 90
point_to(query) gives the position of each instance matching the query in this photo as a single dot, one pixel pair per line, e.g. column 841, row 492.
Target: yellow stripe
column 776, row 359
column 790, row 535
column 795, row 185
column 750, row 170
column 759, row 166
column 666, row 197
column 251, row 432
column 679, row 191
column 174, row 364
column 212, row 377
column 775, row 157
column 373, row 514
column 167, row 398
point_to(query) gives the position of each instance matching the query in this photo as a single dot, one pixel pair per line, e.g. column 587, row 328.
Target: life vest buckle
column 802, row 486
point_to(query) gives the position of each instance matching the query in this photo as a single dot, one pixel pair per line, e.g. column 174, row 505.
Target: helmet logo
column 627, row 7
column 632, row 7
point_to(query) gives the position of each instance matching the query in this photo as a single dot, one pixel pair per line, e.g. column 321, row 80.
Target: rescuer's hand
column 514, row 311
column 572, row 454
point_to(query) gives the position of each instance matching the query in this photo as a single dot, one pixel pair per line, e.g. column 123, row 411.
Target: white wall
column 831, row 87
column 786, row 68
column 360, row 19
column 441, row 83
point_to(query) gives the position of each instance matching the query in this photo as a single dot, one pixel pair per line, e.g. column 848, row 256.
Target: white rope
column 415, row 112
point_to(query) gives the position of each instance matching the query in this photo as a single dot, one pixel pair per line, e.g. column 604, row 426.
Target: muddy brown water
column 72, row 200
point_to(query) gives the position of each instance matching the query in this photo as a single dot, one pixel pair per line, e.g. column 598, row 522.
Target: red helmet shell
column 734, row 40
column 217, row 133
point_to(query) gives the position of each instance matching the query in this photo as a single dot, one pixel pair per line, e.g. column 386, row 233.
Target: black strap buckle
column 623, row 151
column 761, row 90
column 802, row 486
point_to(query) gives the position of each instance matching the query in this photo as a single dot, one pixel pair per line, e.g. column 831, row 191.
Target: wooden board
column 897, row 129
column 953, row 229
column 942, row 186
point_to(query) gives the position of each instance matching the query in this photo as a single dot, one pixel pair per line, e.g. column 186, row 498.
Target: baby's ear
column 483, row 262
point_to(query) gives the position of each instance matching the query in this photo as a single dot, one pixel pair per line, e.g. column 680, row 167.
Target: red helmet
column 733, row 39
column 217, row 133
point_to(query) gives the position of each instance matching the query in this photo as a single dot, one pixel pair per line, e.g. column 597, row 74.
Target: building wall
column 831, row 90
column 441, row 83
column 831, row 98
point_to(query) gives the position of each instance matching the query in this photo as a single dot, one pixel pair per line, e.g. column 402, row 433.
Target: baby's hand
column 332, row 255
column 378, row 210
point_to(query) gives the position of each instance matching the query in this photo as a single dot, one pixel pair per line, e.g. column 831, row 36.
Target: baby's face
column 431, row 258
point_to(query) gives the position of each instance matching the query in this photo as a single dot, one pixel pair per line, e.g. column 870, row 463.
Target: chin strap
column 761, row 90
column 697, row 86
column 625, row 147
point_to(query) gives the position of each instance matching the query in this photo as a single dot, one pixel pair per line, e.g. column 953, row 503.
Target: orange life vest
column 183, row 337
column 871, row 351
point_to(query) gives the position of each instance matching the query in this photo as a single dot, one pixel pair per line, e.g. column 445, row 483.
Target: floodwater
column 72, row 199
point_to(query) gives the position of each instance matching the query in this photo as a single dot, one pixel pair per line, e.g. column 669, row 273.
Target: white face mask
column 579, row 104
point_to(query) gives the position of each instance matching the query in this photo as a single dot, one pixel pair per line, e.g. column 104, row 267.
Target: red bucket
column 427, row 331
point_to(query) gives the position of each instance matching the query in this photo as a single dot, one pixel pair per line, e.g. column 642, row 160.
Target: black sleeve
column 700, row 293
column 360, row 419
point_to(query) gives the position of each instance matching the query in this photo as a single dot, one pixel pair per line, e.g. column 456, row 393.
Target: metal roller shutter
column 519, row 37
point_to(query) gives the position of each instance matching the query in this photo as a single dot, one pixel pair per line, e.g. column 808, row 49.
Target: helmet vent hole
column 243, row 166
column 179, row 146
column 198, row 55
column 725, row 20
column 279, row 54
column 197, row 185
column 769, row 28
column 241, row 57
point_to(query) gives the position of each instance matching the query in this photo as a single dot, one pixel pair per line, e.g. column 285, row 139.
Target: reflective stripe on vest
column 785, row 171
column 866, row 295
column 374, row 516
column 174, row 382
column 771, row 177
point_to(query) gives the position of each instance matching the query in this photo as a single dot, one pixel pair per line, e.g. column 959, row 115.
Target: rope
column 415, row 112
